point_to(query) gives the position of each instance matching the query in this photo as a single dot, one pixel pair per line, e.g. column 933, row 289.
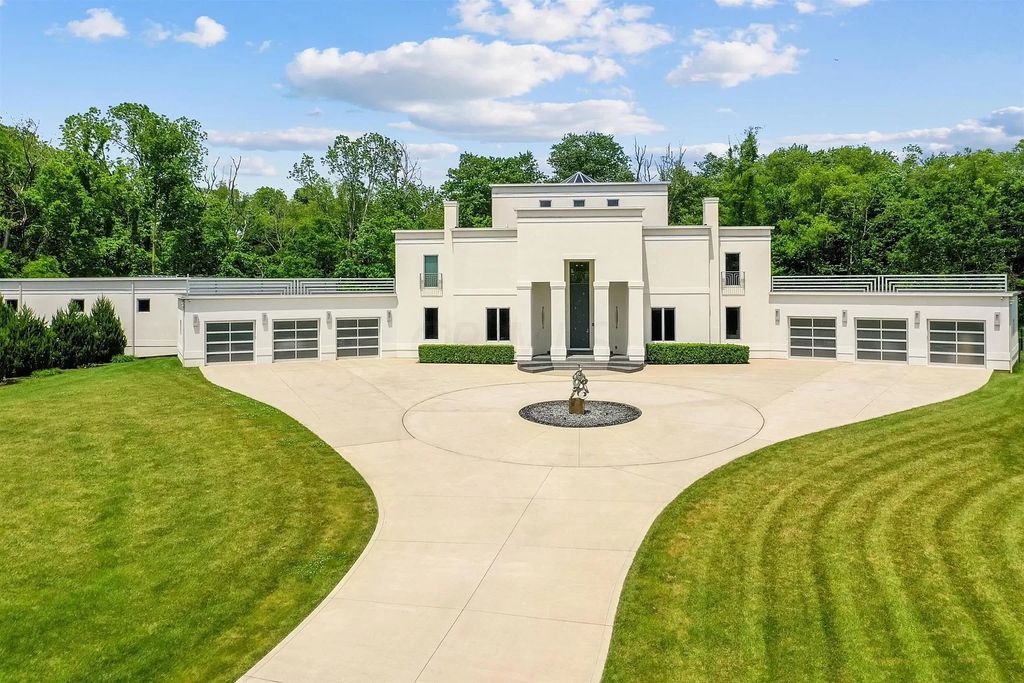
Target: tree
column 470, row 182
column 108, row 334
column 73, row 338
column 597, row 155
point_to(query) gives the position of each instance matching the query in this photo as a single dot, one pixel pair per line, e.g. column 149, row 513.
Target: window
column 733, row 277
column 142, row 305
column 77, row 305
column 732, row 322
column 732, row 262
column 430, row 323
column 358, row 337
column 578, row 202
column 881, row 339
column 230, row 342
column 956, row 342
column 296, row 339
column 613, row 202
column 545, row 203
column 12, row 303
column 663, row 324
column 497, row 324
column 431, row 277
column 812, row 337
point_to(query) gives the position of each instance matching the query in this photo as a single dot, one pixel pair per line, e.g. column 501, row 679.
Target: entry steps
column 543, row 363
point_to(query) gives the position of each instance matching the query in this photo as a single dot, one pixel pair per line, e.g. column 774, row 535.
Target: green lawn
column 887, row 550
column 154, row 526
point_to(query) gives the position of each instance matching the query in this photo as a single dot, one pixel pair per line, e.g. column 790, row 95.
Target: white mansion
column 572, row 271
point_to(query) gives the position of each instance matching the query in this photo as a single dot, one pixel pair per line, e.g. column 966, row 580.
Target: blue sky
column 271, row 80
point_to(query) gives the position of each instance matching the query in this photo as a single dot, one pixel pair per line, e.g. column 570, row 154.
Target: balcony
column 430, row 281
column 733, row 282
column 890, row 284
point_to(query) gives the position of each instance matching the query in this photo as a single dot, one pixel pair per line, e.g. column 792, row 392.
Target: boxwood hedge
column 488, row 354
column 669, row 353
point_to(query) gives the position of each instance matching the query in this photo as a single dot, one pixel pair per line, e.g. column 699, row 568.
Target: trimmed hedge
column 484, row 354
column 670, row 353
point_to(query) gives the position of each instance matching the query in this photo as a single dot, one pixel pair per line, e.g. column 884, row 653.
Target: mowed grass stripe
column 887, row 549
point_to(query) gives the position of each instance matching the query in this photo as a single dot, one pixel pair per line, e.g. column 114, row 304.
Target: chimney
column 451, row 215
column 711, row 212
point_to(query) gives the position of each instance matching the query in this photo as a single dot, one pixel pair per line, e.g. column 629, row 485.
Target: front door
column 579, row 305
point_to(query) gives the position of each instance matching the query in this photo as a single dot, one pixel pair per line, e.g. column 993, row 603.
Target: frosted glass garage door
column 230, row 342
column 881, row 339
column 956, row 342
column 296, row 339
column 812, row 337
column 358, row 337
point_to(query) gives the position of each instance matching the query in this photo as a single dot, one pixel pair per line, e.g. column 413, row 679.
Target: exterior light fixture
column 389, row 318
column 997, row 322
column 917, row 319
column 195, row 320
column 777, row 316
column 264, row 321
column 844, row 318
column 328, row 320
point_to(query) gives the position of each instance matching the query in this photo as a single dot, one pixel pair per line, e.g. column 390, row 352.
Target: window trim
column 437, row 323
column 499, row 336
column 659, row 312
column 739, row 323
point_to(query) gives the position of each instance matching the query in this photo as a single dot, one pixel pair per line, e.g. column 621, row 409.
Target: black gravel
column 598, row 414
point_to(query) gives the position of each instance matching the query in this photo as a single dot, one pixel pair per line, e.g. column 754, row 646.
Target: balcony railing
column 732, row 278
column 889, row 284
column 288, row 287
column 430, row 280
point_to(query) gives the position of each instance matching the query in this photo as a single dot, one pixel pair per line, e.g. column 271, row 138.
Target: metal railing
column 210, row 286
column 430, row 280
column 889, row 284
column 732, row 278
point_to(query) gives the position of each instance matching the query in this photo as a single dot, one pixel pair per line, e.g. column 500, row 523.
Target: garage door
column 358, row 337
column 230, row 342
column 956, row 342
column 296, row 339
column 812, row 337
column 881, row 339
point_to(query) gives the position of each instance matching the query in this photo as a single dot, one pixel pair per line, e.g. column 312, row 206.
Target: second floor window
column 497, row 324
column 663, row 324
column 430, row 271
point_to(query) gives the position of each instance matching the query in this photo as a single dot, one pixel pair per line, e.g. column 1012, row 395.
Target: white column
column 602, row 351
column 635, row 334
column 714, row 269
column 558, row 350
column 522, row 321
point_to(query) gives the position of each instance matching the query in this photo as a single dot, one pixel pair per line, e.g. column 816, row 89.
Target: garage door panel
column 230, row 342
column 956, row 342
column 881, row 339
column 297, row 339
column 812, row 337
column 358, row 337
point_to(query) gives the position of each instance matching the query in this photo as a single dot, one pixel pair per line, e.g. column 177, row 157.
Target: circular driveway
column 678, row 423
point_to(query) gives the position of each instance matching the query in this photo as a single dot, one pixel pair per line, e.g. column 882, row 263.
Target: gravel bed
column 598, row 414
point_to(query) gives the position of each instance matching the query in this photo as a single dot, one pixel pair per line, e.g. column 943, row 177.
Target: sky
column 270, row 80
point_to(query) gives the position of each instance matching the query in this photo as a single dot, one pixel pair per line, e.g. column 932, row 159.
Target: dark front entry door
column 579, row 305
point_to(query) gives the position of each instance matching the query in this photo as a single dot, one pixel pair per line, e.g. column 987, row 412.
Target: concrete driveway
column 502, row 545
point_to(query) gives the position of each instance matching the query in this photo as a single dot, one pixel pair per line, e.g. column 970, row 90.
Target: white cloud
column 851, row 3
column 100, row 24
column 297, row 138
column 581, row 25
column 207, row 34
column 1000, row 129
column 725, row 110
column 436, row 70
column 749, row 53
column 532, row 121
column 756, row 4
column 804, row 7
column 431, row 150
column 315, row 111
column 260, row 47
column 154, row 32
column 256, row 166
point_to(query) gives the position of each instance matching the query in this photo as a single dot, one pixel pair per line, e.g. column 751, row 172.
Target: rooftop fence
column 889, row 284
column 210, row 286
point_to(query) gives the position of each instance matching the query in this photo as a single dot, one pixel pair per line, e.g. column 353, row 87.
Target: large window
column 956, row 342
column 431, row 277
column 358, row 337
column 663, row 324
column 230, row 342
column 430, row 323
column 296, row 339
column 812, row 337
column 881, row 339
column 732, row 322
column 497, row 324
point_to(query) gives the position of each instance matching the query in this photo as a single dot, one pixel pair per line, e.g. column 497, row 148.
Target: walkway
column 502, row 545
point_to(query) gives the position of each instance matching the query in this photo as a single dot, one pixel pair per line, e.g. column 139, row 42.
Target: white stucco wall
column 652, row 198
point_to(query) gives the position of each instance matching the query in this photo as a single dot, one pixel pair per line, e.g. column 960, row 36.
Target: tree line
column 128, row 191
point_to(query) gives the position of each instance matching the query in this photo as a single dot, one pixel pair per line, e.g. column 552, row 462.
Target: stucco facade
column 573, row 271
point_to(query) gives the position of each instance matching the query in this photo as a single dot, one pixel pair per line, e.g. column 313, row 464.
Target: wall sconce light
column 195, row 320
column 777, row 316
column 616, row 317
column 389, row 318
column 917, row 319
column 328, row 320
column 264, row 321
column 997, row 322
column 844, row 318
column 542, row 317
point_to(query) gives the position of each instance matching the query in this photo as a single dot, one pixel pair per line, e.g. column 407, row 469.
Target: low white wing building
column 572, row 272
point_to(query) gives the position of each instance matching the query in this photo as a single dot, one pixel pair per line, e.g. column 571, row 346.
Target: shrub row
column 669, row 353
column 486, row 354
column 72, row 339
